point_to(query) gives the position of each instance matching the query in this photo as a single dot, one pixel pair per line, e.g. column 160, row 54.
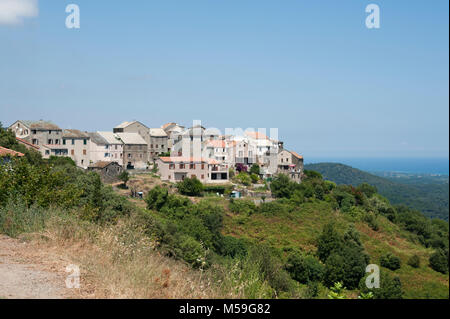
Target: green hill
column 432, row 199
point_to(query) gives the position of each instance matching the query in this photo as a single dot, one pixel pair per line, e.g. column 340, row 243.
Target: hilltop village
column 174, row 151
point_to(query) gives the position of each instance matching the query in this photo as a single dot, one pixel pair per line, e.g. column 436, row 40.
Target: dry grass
column 120, row 262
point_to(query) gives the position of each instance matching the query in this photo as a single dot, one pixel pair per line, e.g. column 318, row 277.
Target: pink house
column 176, row 169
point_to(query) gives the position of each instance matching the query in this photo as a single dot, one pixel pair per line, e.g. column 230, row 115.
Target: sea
column 438, row 166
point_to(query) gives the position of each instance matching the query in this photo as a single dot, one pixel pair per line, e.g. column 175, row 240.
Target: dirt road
column 27, row 271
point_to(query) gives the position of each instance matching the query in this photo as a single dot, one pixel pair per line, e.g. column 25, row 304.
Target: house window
column 203, row 176
column 240, row 154
column 73, row 141
column 84, row 152
column 84, row 141
column 191, row 166
column 47, row 152
column 49, row 132
column 64, row 141
column 181, row 166
column 129, row 155
column 50, row 141
column 193, row 175
column 56, row 142
column 203, row 166
column 33, row 131
column 171, row 166
column 170, row 176
column 151, row 145
column 72, row 152
column 35, row 142
column 116, row 147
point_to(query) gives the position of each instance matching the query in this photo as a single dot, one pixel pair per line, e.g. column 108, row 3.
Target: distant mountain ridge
column 432, row 199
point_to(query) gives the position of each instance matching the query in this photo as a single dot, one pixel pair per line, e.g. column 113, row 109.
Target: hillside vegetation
column 425, row 195
column 314, row 241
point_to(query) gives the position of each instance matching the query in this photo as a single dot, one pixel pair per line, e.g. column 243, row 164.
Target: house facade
column 77, row 144
column 158, row 143
column 291, row 164
column 46, row 135
column 176, row 169
column 135, row 150
column 114, row 147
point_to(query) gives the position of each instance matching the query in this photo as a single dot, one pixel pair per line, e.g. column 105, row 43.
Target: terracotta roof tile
column 6, row 151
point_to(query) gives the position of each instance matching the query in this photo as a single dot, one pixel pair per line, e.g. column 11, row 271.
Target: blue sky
column 312, row 69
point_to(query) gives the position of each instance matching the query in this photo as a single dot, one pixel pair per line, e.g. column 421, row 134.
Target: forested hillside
column 431, row 198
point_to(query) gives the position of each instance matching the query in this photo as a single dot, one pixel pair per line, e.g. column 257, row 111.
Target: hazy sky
column 309, row 68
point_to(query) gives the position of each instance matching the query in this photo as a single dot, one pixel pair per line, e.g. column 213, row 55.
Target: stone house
column 135, row 150
column 291, row 164
column 158, row 143
column 77, row 144
column 108, row 171
column 46, row 135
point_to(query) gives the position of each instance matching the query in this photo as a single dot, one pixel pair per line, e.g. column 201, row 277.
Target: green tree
column 190, row 186
column 254, row 169
column 124, row 177
column 281, row 186
column 439, row 261
column 390, row 261
column 328, row 241
column 304, row 269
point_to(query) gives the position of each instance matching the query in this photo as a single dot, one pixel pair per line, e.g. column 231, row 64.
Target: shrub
column 241, row 167
column 277, row 207
column 190, row 186
column 312, row 174
column 371, row 220
column 414, row 261
column 254, row 169
column 243, row 178
column 232, row 247
column 254, row 177
column 390, row 287
column 271, row 268
column 304, row 269
column 367, row 189
column 281, row 186
column 439, row 261
column 242, row 206
column 390, row 261
column 347, row 266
